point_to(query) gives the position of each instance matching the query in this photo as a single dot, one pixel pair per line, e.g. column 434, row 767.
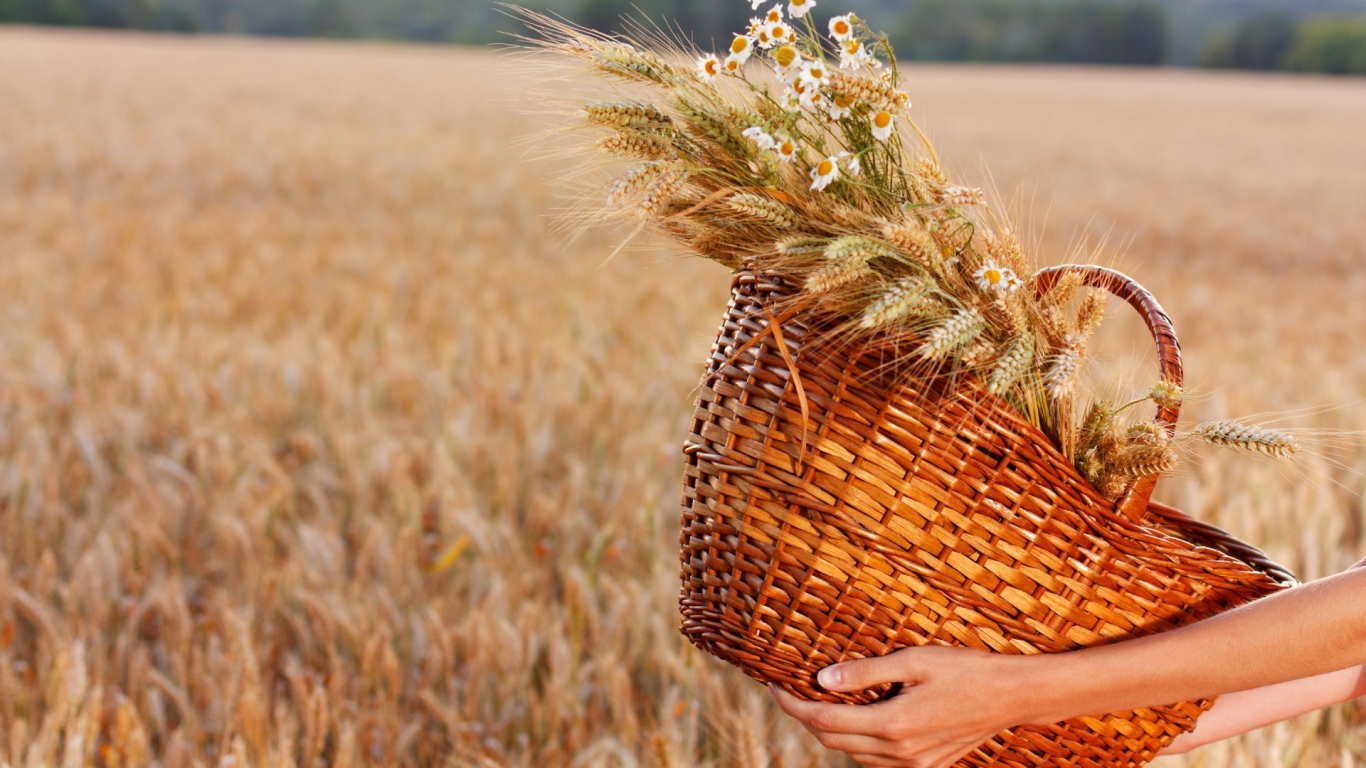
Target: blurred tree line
column 1277, row 40
column 1082, row 31
column 1300, row 35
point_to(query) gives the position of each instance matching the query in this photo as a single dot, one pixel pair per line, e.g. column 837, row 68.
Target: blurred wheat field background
column 320, row 446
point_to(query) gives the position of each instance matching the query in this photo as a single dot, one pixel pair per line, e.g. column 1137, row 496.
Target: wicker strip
column 928, row 513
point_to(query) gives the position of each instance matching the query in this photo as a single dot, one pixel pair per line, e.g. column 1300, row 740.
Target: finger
column 853, row 743
column 856, row 675
column 865, row 720
column 876, row 761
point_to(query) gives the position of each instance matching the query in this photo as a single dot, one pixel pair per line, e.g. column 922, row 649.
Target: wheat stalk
column 628, row 114
column 635, row 180
column 636, row 145
column 837, row 274
column 663, row 190
column 898, row 302
column 962, row 196
column 1233, row 434
column 627, row 62
column 876, row 93
column 1014, row 363
column 1143, row 460
column 1090, row 313
column 915, row 241
column 762, row 208
column 959, row 330
column 1061, row 375
column 1166, row 394
column 801, row 245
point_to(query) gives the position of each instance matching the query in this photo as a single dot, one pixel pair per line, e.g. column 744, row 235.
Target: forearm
column 1243, row 711
column 1307, row 631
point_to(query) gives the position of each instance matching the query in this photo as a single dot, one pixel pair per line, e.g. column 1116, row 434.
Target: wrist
column 1055, row 687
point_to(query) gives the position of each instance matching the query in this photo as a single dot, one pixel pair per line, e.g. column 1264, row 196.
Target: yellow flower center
column 993, row 276
column 817, row 73
column 774, row 15
column 785, row 56
column 841, row 27
column 732, row 65
column 711, row 66
column 763, row 36
column 739, row 45
column 842, row 101
column 787, row 148
column 825, row 168
column 882, row 119
column 798, row 3
column 852, row 47
column 776, row 32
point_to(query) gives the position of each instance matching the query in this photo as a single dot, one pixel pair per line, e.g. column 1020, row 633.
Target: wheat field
column 321, row 445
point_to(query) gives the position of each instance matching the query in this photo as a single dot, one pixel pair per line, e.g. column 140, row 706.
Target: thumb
column 900, row 667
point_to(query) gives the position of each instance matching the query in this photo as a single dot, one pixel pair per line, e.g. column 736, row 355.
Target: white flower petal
column 708, row 67
column 841, row 27
column 831, row 168
column 883, row 123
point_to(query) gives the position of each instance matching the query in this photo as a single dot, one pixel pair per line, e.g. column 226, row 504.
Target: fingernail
column 829, row 677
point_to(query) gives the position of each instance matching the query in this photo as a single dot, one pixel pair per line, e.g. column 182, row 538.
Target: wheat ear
column 1232, row 434
column 1016, row 361
column 956, row 332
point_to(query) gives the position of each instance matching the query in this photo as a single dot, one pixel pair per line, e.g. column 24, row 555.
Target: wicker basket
column 931, row 515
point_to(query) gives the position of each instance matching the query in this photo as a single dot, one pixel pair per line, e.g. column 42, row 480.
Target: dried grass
column 317, row 446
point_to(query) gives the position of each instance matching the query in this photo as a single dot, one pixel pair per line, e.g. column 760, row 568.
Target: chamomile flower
column 853, row 53
column 840, row 106
column 755, row 24
column 799, row 8
column 741, row 47
column 708, row 67
column 775, row 14
column 759, row 137
column 792, row 99
column 825, row 172
column 813, row 99
column 733, row 64
column 814, row 73
column 882, row 125
column 993, row 277
column 851, row 164
column 787, row 57
column 754, row 4
column 779, row 33
column 785, row 148
column 842, row 27
column 761, row 37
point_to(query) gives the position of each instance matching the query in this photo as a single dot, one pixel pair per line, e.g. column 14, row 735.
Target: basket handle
column 1134, row 503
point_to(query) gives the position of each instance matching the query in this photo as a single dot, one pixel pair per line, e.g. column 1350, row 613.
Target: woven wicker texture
column 931, row 515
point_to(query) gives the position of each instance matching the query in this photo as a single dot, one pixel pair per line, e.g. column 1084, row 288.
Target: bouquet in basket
column 889, row 448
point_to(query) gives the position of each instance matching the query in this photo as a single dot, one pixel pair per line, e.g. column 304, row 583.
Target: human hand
column 952, row 700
